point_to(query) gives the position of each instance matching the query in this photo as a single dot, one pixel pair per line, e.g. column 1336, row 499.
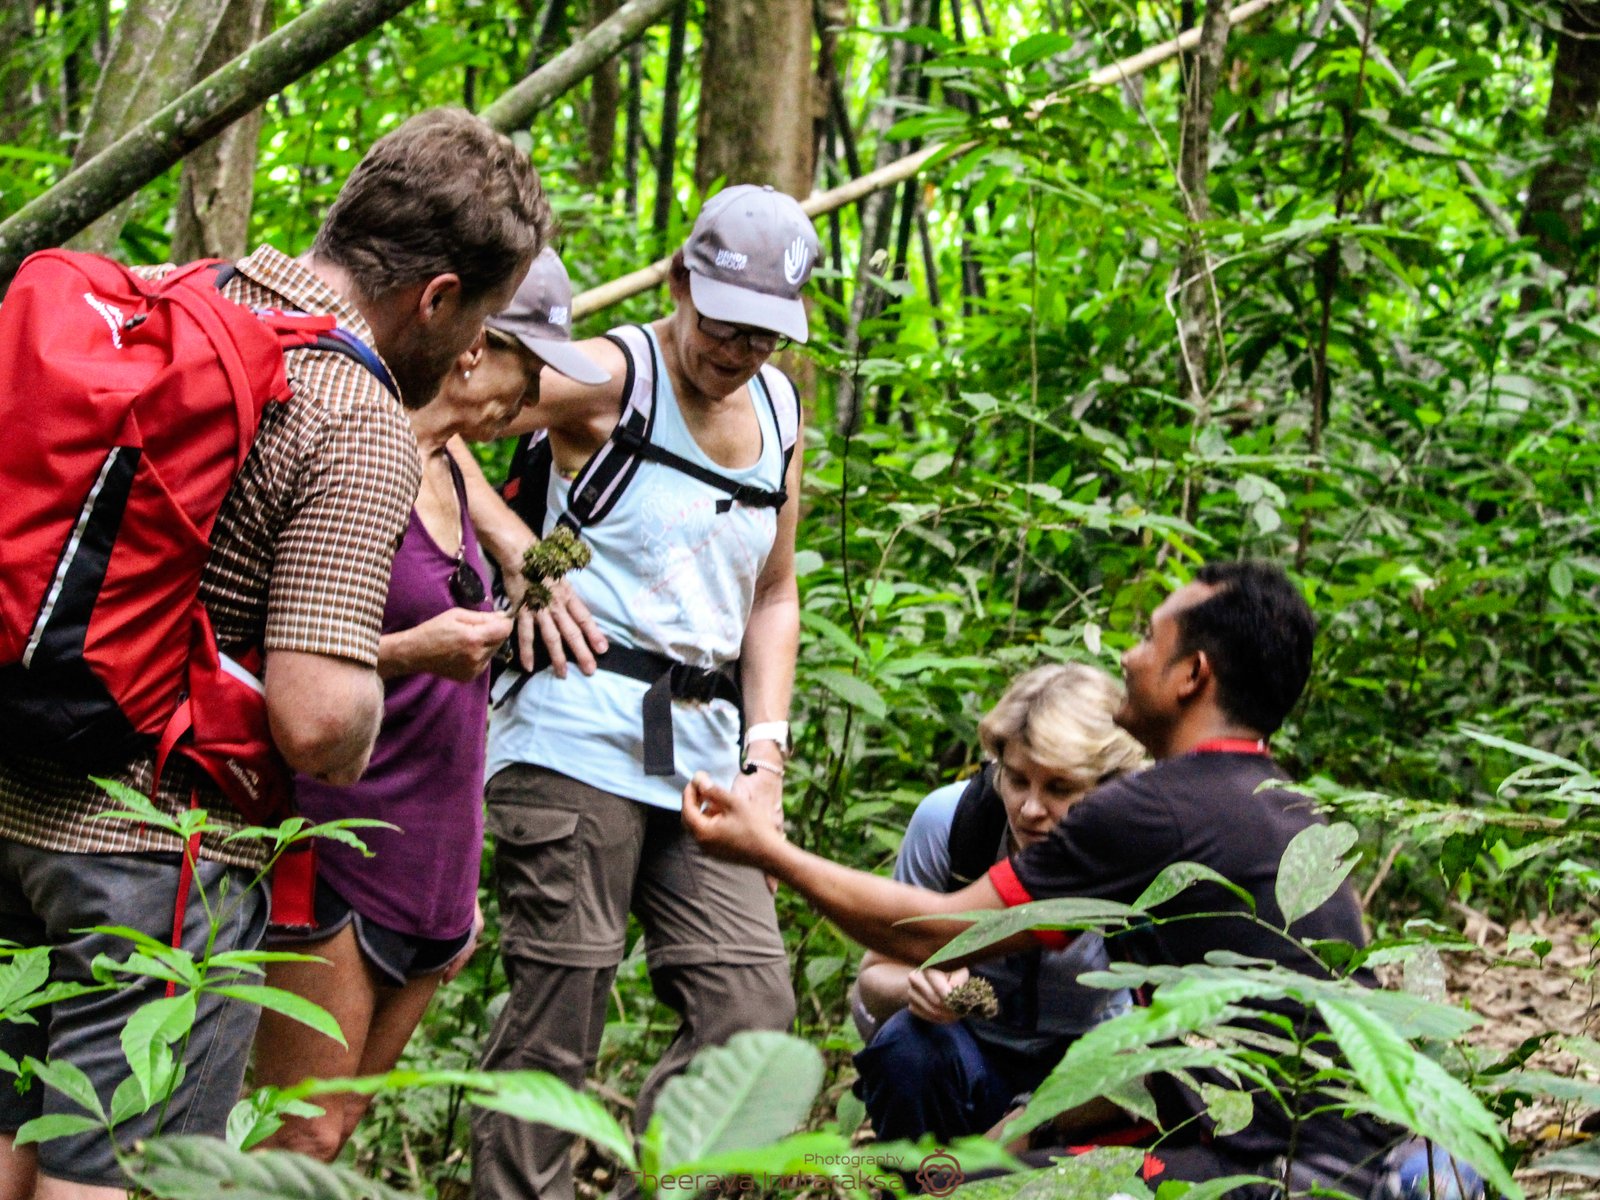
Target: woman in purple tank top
column 394, row 924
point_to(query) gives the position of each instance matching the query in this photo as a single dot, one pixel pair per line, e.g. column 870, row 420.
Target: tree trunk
column 605, row 96
column 877, row 211
column 1554, row 213
column 1196, row 312
column 153, row 52
column 16, row 29
column 756, row 95
column 667, row 143
column 190, row 121
column 218, row 181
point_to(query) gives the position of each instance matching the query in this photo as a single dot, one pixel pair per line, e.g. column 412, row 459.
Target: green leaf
column 1183, row 875
column 1410, row 1089
column 1581, row 1160
column 542, row 1098
column 930, row 465
column 149, row 1034
column 849, row 1113
column 1561, row 578
column 22, row 977
column 54, row 1125
column 204, row 1168
column 129, row 1100
column 1040, row 45
column 1459, row 853
column 990, row 926
column 1106, row 1171
column 1312, row 869
column 727, row 1099
column 71, row 1082
column 854, row 691
column 288, row 1004
column 1229, row 1108
column 1211, row 1189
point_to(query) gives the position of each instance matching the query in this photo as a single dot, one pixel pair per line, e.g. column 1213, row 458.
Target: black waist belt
column 669, row 680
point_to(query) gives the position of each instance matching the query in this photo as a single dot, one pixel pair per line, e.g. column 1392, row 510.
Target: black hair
column 1257, row 630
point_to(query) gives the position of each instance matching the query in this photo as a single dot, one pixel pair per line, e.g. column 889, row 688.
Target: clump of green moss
column 974, row 998
column 548, row 560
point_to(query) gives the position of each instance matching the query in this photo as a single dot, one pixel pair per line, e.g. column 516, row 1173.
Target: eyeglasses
column 762, row 341
column 466, row 585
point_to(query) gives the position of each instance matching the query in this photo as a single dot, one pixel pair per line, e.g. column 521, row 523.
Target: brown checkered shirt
column 300, row 560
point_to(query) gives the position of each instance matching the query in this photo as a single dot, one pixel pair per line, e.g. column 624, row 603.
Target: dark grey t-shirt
column 1042, row 1004
column 1212, row 809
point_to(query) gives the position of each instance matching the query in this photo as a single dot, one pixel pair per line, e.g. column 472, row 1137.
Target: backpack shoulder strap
column 296, row 331
column 977, row 828
column 600, row 484
column 784, row 399
column 527, row 486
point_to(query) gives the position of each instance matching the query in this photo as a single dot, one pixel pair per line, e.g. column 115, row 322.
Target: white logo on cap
column 558, row 314
column 732, row 260
column 794, row 260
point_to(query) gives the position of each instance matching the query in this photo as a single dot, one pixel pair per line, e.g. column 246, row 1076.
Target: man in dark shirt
column 1223, row 662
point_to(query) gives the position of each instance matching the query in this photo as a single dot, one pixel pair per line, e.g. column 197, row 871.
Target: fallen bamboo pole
column 617, row 290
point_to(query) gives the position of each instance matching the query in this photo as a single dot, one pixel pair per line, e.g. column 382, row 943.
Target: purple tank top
column 426, row 774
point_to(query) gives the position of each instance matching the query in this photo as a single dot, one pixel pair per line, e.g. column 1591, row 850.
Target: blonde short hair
column 1062, row 715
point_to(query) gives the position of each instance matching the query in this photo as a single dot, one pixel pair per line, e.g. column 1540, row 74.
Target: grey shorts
column 48, row 898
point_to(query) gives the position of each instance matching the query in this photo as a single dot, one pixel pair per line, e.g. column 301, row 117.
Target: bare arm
column 868, row 908
column 883, row 985
column 456, row 644
column 324, row 713
column 565, row 625
column 772, row 634
column 767, row 652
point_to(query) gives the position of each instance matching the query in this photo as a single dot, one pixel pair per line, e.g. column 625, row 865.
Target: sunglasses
column 466, row 585
column 762, row 341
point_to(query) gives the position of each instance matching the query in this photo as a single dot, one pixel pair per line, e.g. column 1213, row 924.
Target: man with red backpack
column 429, row 235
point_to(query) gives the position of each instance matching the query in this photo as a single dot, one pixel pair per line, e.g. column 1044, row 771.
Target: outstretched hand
column 733, row 824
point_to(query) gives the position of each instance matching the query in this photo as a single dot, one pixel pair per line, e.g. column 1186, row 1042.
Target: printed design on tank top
column 694, row 559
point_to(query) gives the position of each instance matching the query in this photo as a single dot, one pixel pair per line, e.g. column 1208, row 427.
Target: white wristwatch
column 768, row 731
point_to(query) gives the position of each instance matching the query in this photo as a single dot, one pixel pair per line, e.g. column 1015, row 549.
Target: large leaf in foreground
column 751, row 1092
column 202, row 1168
column 531, row 1095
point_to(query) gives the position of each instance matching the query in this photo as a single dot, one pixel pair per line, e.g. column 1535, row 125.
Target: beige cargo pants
column 570, row 862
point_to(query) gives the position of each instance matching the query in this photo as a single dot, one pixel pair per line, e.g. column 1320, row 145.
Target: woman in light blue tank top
column 692, row 608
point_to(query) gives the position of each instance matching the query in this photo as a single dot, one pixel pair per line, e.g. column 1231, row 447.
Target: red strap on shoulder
column 1004, row 877
column 1232, row 746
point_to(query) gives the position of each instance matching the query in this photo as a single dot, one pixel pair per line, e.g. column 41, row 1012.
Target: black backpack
column 977, row 829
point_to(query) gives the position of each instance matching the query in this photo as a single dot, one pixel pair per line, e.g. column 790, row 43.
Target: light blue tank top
column 671, row 575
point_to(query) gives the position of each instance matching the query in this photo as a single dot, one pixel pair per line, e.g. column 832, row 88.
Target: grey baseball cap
column 540, row 317
column 749, row 255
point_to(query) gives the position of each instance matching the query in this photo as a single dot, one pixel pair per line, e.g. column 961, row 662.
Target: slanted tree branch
column 517, row 106
column 191, row 120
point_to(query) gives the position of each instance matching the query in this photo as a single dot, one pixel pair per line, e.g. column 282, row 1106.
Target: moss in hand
column 974, row 998
column 547, row 561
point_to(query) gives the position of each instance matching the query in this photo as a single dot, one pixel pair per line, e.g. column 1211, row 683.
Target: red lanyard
column 1231, row 746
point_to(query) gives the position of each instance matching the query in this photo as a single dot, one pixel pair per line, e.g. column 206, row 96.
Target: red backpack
column 127, row 407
